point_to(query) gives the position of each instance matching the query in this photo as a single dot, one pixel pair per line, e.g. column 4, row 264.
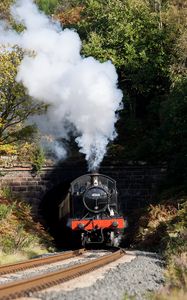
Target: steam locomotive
column 90, row 211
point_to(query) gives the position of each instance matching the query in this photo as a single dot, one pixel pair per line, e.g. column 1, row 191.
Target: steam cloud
column 81, row 91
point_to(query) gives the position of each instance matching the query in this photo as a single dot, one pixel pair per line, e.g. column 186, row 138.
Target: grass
column 18, row 256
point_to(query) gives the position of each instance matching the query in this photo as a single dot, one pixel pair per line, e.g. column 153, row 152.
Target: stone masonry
column 136, row 185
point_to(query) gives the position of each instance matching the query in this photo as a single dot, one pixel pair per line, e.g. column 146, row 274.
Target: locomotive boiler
column 90, row 212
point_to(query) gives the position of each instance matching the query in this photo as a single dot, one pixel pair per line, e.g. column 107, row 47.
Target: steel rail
column 36, row 262
column 22, row 288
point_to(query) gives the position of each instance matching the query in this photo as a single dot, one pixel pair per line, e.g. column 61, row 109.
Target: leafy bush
column 13, row 243
column 7, row 244
column 37, row 159
column 163, row 226
column 6, row 192
column 23, row 238
column 48, row 6
column 8, row 149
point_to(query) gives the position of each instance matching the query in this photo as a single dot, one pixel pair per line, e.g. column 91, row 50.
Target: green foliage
column 146, row 41
column 37, row 159
column 4, row 210
column 4, row 9
column 7, row 244
column 15, row 105
column 21, row 240
column 127, row 33
column 48, row 6
column 5, row 14
column 6, row 192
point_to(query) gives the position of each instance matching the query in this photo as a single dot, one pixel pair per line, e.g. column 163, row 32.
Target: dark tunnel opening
column 49, row 211
column 136, row 185
column 60, row 178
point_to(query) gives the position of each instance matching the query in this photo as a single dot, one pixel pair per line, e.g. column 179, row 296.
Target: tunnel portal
column 44, row 191
column 49, row 212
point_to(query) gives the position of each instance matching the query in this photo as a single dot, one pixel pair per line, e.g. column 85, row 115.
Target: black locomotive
column 90, row 211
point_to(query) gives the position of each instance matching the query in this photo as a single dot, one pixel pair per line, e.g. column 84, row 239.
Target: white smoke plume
column 81, row 91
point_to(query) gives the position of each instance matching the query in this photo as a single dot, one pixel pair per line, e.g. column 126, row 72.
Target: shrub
column 37, row 159
column 48, row 6
column 177, row 272
column 4, row 210
column 7, row 244
column 23, row 238
column 18, row 231
column 6, row 192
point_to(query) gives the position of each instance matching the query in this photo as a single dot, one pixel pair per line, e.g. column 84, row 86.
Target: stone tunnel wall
column 136, row 185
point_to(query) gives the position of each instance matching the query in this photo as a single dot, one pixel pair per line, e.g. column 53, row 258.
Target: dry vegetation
column 20, row 237
column 163, row 227
column 71, row 16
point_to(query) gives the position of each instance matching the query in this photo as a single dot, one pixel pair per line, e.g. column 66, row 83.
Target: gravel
column 142, row 275
column 25, row 274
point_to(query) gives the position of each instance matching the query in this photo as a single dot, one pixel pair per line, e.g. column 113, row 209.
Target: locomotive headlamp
column 81, row 226
column 115, row 224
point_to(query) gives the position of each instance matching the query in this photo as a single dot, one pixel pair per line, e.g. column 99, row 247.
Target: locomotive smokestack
column 94, row 179
column 95, row 171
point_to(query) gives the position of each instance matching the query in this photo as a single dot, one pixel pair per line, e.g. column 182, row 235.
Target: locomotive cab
column 91, row 210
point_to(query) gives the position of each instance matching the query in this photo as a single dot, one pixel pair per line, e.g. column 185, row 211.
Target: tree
column 72, row 15
column 48, row 6
column 15, row 105
column 146, row 41
column 4, row 9
column 128, row 32
column 176, row 18
column 170, row 138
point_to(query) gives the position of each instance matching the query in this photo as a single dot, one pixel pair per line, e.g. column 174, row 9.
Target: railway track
column 36, row 262
column 24, row 287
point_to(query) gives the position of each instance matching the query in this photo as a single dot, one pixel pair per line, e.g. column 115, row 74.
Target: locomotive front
column 96, row 196
column 91, row 210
